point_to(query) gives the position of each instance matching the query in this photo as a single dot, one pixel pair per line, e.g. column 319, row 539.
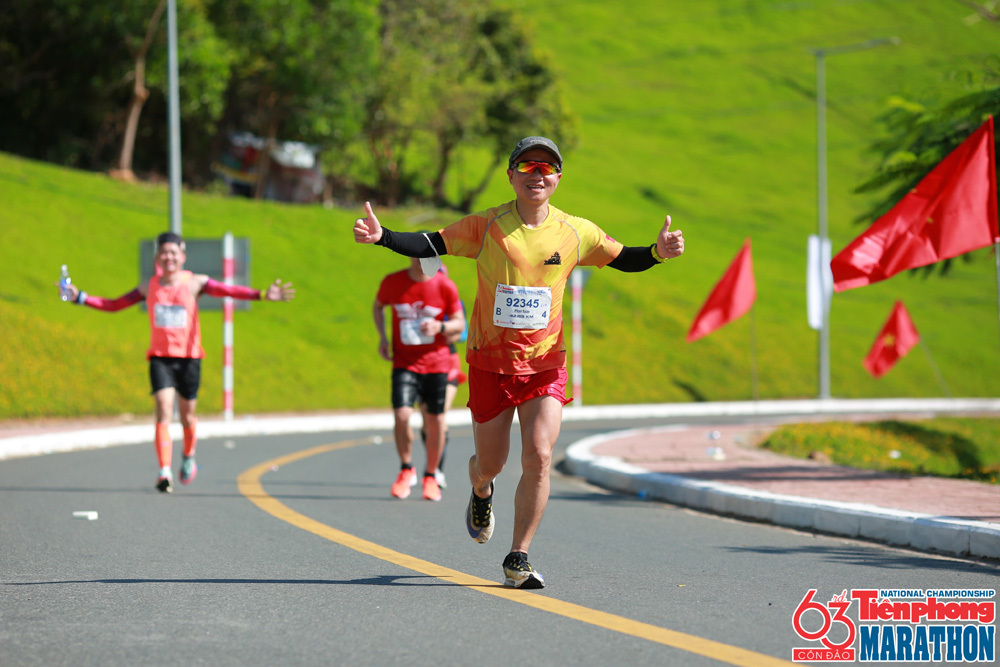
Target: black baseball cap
column 526, row 144
column 169, row 237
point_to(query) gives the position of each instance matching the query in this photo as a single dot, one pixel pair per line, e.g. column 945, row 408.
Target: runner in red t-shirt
column 421, row 361
column 175, row 351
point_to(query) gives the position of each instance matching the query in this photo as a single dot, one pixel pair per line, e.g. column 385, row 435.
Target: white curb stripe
column 921, row 531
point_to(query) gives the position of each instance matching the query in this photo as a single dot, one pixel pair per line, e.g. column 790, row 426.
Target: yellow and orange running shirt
column 516, row 326
column 173, row 319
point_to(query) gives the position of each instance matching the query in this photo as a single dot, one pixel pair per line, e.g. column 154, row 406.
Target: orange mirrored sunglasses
column 543, row 168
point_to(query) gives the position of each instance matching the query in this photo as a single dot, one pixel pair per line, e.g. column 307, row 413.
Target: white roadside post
column 819, row 281
column 577, row 285
column 577, row 280
column 228, row 272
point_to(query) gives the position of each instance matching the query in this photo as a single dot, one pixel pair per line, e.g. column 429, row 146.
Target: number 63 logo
column 839, row 604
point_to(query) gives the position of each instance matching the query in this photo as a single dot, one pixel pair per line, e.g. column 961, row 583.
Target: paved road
column 289, row 550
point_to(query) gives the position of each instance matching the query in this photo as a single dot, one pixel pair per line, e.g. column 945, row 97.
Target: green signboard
column 204, row 256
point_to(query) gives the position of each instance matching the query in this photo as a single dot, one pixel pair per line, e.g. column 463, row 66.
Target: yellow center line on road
column 250, row 486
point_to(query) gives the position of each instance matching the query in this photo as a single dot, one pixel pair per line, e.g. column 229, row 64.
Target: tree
column 523, row 95
column 989, row 10
column 140, row 68
column 139, row 91
column 55, row 79
column 300, row 67
column 452, row 78
column 409, row 75
column 75, row 77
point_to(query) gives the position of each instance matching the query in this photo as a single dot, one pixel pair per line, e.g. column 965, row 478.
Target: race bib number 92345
column 517, row 307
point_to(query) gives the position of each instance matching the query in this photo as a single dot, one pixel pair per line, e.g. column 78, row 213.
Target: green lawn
column 966, row 448
column 704, row 110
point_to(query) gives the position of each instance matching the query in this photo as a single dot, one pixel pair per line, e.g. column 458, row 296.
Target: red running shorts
column 492, row 393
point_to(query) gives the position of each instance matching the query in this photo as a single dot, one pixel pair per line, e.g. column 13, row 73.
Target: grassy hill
column 702, row 110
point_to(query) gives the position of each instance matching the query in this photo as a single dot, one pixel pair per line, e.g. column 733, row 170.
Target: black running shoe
column 165, row 482
column 518, row 572
column 479, row 517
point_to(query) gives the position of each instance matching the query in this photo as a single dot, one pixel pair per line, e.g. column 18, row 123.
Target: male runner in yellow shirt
column 525, row 251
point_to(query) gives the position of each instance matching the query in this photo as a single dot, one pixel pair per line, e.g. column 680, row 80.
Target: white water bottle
column 64, row 283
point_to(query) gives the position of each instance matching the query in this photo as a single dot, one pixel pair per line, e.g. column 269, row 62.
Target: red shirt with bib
column 412, row 302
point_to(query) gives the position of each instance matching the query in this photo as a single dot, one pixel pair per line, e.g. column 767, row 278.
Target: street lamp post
column 174, row 113
column 824, row 282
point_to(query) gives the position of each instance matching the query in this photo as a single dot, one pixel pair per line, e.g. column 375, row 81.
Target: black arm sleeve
column 412, row 244
column 633, row 259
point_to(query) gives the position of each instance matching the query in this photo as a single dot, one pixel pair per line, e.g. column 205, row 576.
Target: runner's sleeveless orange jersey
column 516, row 326
column 173, row 319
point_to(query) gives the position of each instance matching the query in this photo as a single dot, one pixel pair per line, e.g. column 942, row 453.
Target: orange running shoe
column 401, row 487
column 431, row 489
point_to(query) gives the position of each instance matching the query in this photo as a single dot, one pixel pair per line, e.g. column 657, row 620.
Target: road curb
column 856, row 520
column 64, row 441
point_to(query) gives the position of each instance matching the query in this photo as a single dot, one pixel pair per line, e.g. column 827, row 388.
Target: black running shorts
column 182, row 374
column 428, row 388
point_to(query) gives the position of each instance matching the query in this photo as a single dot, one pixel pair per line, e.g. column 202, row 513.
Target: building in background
column 288, row 171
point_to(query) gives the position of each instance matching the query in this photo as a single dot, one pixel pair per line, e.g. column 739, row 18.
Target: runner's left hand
column 669, row 244
column 278, row 292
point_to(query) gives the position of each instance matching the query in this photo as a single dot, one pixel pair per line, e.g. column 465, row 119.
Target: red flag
column 731, row 298
column 897, row 338
column 953, row 210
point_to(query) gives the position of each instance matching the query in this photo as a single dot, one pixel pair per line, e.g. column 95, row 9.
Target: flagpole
column 996, row 255
column 753, row 353
column 934, row 367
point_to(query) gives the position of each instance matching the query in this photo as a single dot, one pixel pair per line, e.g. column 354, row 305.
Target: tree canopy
column 392, row 91
column 451, row 78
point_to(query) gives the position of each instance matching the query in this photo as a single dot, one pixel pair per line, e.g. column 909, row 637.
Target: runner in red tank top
column 175, row 351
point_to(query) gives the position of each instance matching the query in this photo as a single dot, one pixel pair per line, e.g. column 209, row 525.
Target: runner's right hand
column 72, row 289
column 367, row 229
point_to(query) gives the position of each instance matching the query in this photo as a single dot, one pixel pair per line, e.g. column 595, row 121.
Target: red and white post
column 576, row 282
column 228, row 273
